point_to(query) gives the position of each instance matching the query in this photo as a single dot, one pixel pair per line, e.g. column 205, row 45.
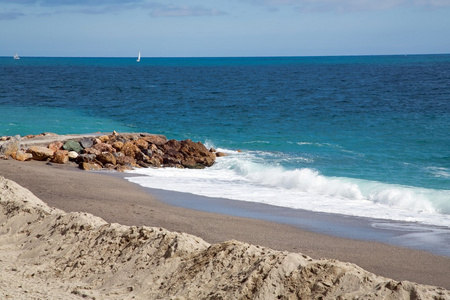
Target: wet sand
column 117, row 200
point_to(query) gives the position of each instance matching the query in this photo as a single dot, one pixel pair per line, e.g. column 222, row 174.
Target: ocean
column 364, row 136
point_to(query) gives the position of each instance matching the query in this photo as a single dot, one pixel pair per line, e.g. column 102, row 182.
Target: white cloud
column 348, row 5
column 184, row 11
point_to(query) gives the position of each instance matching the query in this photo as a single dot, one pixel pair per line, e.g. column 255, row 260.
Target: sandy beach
column 117, row 201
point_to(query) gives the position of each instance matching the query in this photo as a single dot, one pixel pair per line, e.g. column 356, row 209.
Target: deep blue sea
column 366, row 135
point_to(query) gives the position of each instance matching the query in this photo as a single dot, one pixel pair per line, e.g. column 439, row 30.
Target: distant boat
column 16, row 56
column 139, row 57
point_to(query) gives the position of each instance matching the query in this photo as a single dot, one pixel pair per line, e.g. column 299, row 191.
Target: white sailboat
column 16, row 56
column 139, row 57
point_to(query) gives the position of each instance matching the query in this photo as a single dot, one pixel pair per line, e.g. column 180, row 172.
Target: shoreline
column 397, row 233
column 118, row 201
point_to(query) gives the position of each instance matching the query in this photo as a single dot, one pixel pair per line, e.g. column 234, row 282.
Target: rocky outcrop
column 51, row 254
column 114, row 151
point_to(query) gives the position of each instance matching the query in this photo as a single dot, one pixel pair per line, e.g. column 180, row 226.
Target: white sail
column 16, row 56
column 139, row 57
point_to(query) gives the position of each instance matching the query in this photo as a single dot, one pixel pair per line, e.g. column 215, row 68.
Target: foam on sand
column 47, row 253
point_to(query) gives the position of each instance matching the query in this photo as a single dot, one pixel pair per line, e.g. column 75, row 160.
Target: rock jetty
column 115, row 151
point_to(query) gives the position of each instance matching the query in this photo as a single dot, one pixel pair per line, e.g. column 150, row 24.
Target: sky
column 177, row 28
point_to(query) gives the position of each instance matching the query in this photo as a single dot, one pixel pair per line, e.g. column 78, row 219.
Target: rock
column 155, row 161
column 87, row 142
column 221, row 154
column 61, row 157
column 72, row 155
column 118, row 145
column 158, row 140
column 85, row 158
column 106, row 158
column 130, row 149
column 11, row 146
column 72, row 145
column 90, row 166
column 141, row 144
column 55, row 146
column 127, row 161
column 92, row 151
column 23, row 156
column 40, row 153
column 142, row 157
column 103, row 147
column 196, row 152
column 172, row 145
column 104, row 138
column 147, row 152
column 123, row 168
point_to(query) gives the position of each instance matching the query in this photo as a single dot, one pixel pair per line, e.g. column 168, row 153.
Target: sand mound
column 46, row 253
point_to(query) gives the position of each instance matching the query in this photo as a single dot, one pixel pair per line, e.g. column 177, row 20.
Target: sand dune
column 47, row 253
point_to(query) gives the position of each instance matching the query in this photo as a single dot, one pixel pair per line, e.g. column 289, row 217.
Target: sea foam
column 247, row 176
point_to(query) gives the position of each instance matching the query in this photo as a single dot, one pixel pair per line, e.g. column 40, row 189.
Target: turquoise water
column 366, row 136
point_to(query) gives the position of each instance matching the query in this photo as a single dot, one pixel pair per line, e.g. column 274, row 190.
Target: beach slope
column 46, row 252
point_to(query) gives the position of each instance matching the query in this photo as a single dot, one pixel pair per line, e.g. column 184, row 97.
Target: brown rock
column 55, row 146
column 118, row 145
column 106, row 158
column 158, row 140
column 92, row 151
column 104, row 138
column 172, row 145
column 142, row 144
column 123, row 168
column 103, row 147
column 21, row 155
column 11, row 146
column 90, row 166
column 142, row 157
column 221, row 154
column 127, row 161
column 130, row 149
column 61, row 157
column 40, row 153
column 196, row 152
column 155, row 161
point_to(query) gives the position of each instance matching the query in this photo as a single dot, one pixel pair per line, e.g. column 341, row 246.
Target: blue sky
column 120, row 28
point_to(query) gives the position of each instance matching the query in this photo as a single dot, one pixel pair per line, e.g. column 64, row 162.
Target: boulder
column 196, row 152
column 103, row 147
column 141, row 144
column 158, row 140
column 40, row 153
column 155, row 161
column 104, row 138
column 127, row 161
column 220, row 154
column 85, row 158
column 72, row 145
column 90, row 166
column 106, row 158
column 141, row 156
column 11, row 146
column 55, row 146
column 21, row 155
column 61, row 157
column 87, row 142
column 172, row 145
column 91, row 151
column 130, row 149
column 118, row 145
column 72, row 155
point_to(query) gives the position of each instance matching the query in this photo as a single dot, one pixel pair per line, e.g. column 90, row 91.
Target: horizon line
column 244, row 56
